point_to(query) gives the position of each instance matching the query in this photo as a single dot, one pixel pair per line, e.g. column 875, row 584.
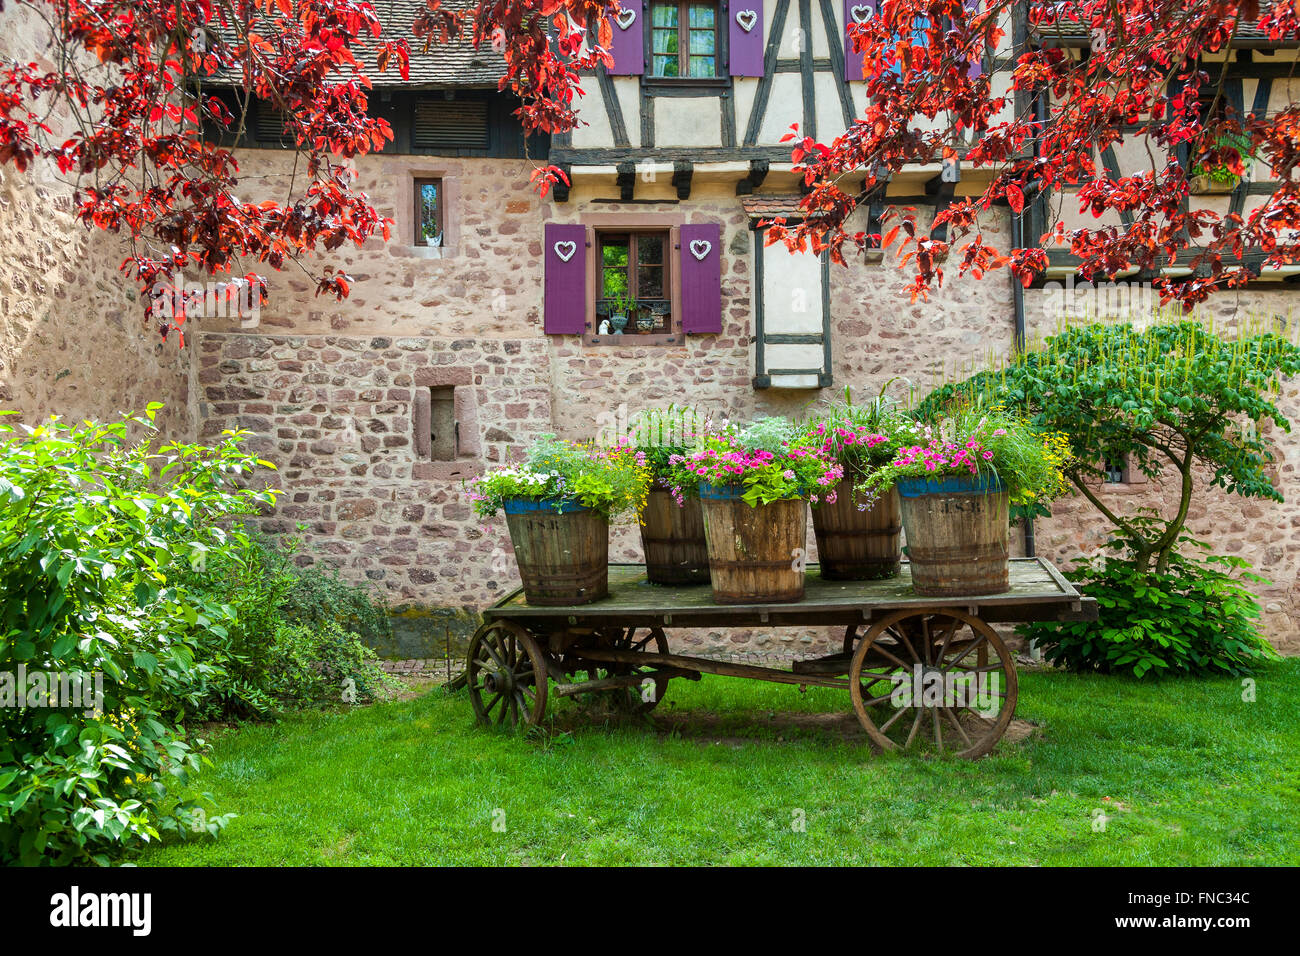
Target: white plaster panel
column 688, row 121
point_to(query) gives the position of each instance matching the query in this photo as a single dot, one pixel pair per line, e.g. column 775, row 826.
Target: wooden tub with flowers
column 921, row 662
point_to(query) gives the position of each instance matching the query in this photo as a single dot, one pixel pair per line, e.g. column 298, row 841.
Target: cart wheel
column 645, row 697
column 506, row 675
column 925, row 678
column 641, row 698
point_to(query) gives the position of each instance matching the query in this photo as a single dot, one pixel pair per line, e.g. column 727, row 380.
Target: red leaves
column 1015, row 199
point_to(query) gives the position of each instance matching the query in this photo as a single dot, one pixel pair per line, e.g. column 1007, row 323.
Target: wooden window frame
column 720, row 75
column 673, row 334
column 417, row 208
column 622, row 223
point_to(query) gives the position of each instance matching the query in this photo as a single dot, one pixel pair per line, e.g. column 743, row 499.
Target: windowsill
column 422, row 252
column 720, row 82
column 633, row 340
column 457, row 470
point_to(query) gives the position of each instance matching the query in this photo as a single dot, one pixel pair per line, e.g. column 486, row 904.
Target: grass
column 1185, row 772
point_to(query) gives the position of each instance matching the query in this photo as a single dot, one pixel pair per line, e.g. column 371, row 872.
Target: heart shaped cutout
column 626, row 17
column 747, row 19
column 860, row 13
column 565, row 250
column 700, row 248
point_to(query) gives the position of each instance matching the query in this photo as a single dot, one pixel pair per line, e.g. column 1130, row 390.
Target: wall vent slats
column 450, row 124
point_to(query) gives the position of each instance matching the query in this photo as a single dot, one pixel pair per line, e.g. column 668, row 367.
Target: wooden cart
column 921, row 671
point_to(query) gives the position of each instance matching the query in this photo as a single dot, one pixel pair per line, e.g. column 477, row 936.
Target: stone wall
column 73, row 339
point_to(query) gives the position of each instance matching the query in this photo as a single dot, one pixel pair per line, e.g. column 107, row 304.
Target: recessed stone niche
column 445, row 419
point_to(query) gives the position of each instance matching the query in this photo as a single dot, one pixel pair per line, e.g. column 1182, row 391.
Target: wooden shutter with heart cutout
column 700, row 268
column 855, row 11
column 745, row 37
column 628, row 46
column 565, row 286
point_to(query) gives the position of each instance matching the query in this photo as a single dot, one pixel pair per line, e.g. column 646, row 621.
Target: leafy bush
column 1196, row 617
column 93, row 526
column 296, row 634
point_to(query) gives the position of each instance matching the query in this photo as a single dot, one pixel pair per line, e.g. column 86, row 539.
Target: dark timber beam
column 942, row 189
column 757, row 173
column 682, row 173
column 759, row 109
column 561, row 188
column 625, row 180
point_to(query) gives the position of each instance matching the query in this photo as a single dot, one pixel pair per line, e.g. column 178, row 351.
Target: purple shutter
column 700, row 262
column 977, row 62
column 745, row 37
column 628, row 45
column 855, row 11
column 565, row 253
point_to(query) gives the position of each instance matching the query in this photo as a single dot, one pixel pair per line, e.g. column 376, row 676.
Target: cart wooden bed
column 922, row 672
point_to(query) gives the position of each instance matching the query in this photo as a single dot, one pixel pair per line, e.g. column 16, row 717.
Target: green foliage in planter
column 297, row 634
column 93, row 528
column 607, row 480
column 658, row 436
column 976, row 442
column 1194, row 617
column 1175, row 396
column 860, row 437
column 764, row 459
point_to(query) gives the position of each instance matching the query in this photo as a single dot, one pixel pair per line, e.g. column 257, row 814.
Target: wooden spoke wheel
column 506, row 675
column 640, row 698
column 936, row 679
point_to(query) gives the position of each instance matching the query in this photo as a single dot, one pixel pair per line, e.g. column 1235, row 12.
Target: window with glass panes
column 428, row 212
column 684, row 40
column 634, row 282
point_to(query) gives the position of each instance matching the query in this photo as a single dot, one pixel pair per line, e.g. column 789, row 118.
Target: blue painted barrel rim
column 524, row 506
column 986, row 483
column 721, row 492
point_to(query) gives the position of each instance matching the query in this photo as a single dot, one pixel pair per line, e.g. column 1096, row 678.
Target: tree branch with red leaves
column 140, row 79
column 1146, row 69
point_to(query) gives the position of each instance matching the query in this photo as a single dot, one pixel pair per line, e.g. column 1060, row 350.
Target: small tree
column 1174, row 396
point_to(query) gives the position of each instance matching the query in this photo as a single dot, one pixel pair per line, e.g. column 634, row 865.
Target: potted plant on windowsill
column 956, row 486
column 621, row 306
column 857, row 534
column 672, row 525
column 755, row 484
column 558, row 504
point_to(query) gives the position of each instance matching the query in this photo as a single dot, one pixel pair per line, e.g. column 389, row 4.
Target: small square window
column 1116, row 471
column 429, row 219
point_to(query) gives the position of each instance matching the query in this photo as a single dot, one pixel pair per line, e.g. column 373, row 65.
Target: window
column 634, row 294
column 444, row 433
column 1114, row 469
column 428, row 212
column 684, row 40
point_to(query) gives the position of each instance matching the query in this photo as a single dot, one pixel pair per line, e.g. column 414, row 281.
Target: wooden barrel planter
column 957, row 533
column 755, row 553
column 855, row 545
column 562, row 549
column 672, row 536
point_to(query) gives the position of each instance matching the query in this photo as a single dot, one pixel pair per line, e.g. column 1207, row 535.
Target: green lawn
column 1193, row 774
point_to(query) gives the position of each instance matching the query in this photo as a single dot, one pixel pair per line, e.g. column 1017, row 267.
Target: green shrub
column 1194, row 618
column 296, row 633
column 93, row 529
